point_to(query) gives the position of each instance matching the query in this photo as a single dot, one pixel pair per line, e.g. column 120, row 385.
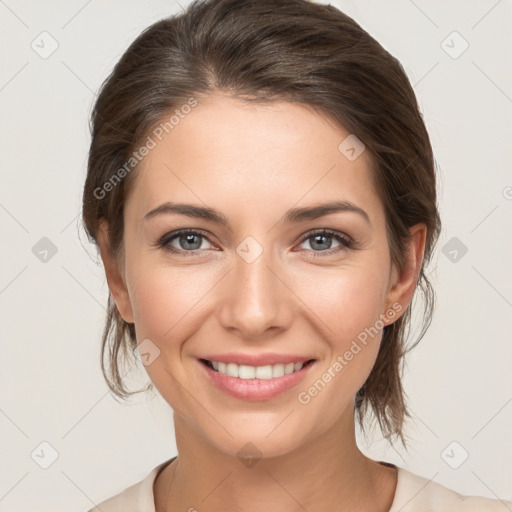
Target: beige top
column 413, row 493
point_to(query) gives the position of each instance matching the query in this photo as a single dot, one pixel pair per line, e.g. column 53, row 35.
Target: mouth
column 255, row 383
column 247, row 372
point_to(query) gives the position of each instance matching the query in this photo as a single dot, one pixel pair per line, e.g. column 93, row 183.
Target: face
column 263, row 282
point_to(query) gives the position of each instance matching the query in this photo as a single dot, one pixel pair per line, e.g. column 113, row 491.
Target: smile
column 255, row 383
column 266, row 372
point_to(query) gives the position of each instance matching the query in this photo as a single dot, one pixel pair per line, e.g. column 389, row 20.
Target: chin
column 257, row 436
column 252, row 447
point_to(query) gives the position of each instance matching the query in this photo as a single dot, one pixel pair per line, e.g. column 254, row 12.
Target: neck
column 329, row 473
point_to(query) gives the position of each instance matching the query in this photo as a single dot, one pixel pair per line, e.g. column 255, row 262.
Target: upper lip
column 257, row 359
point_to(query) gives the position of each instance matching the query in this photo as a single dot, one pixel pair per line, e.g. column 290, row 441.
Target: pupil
column 321, row 243
column 189, row 240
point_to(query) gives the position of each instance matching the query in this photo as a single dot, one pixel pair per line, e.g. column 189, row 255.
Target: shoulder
column 138, row 497
column 415, row 493
column 125, row 501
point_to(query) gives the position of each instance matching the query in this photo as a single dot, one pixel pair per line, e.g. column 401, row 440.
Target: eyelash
column 346, row 242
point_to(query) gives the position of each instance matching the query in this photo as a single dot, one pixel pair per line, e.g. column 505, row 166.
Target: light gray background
column 458, row 378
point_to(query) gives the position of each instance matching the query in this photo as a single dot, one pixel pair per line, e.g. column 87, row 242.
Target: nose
column 256, row 301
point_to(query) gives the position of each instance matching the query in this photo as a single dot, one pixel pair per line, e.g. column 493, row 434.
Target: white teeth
column 256, row 372
column 246, row 372
column 232, row 370
column 264, row 372
column 278, row 370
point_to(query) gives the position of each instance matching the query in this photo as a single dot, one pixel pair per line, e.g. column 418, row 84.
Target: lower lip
column 256, row 389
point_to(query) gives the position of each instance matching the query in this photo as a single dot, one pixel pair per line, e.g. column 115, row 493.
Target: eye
column 187, row 240
column 321, row 242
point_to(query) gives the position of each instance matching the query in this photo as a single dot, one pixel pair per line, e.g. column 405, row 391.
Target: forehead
column 253, row 157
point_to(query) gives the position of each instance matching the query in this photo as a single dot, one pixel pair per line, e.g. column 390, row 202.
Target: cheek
column 347, row 299
column 167, row 310
column 347, row 303
column 164, row 299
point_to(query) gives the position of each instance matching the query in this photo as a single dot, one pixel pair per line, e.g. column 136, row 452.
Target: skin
column 253, row 162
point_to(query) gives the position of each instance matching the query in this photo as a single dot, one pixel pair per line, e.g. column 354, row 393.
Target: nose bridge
column 255, row 299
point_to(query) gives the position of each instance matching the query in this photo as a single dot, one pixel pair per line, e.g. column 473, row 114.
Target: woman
column 262, row 190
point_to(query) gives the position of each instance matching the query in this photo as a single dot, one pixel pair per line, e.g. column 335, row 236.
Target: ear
column 115, row 277
column 402, row 285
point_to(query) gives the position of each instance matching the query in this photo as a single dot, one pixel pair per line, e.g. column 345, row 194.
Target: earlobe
column 115, row 279
column 402, row 285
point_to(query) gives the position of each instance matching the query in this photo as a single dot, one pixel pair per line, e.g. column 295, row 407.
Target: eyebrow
column 294, row 215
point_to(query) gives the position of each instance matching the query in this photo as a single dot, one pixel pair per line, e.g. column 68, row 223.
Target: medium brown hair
column 265, row 51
